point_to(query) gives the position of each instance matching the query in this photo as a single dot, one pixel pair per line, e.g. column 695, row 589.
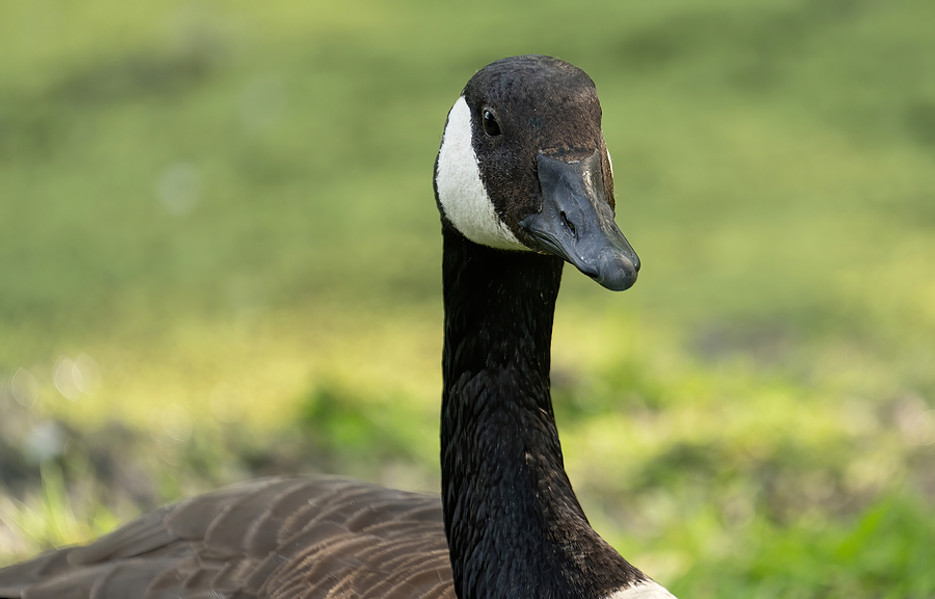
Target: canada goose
column 523, row 183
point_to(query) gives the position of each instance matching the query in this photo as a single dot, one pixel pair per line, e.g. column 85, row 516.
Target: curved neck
column 514, row 526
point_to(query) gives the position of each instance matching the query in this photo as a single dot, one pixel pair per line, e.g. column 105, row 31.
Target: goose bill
column 576, row 222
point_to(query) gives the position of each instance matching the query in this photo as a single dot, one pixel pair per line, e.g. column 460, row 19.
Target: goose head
column 523, row 167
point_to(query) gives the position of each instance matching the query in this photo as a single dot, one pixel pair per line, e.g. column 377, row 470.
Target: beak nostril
column 570, row 225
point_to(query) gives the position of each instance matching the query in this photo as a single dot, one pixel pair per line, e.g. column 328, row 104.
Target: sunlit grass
column 47, row 517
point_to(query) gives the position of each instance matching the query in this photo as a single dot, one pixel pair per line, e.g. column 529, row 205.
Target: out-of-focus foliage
column 219, row 258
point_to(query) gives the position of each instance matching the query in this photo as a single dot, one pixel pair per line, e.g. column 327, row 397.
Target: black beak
column 577, row 224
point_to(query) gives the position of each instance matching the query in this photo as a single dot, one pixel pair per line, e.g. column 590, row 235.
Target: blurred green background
column 219, row 258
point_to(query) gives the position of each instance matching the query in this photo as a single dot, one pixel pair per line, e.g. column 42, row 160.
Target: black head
column 523, row 166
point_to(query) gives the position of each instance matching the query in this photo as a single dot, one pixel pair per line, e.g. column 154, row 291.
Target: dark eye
column 491, row 127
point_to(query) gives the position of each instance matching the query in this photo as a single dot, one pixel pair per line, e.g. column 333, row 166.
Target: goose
column 523, row 184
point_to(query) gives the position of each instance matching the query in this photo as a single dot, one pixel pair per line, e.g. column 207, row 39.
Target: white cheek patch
column 461, row 192
column 643, row 590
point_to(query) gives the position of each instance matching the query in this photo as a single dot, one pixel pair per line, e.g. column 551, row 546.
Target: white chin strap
column 461, row 191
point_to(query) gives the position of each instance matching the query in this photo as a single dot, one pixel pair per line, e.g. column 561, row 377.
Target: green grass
column 219, row 258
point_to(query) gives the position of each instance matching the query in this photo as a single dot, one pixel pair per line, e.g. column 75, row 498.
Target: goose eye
column 491, row 127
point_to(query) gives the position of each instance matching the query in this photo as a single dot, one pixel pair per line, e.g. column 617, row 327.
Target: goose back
column 276, row 538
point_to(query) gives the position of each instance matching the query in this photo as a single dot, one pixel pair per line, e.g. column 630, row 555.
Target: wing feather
column 275, row 538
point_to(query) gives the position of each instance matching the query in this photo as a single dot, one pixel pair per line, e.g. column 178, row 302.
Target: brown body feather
column 271, row 538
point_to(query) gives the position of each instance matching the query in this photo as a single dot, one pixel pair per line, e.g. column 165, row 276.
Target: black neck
column 514, row 526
